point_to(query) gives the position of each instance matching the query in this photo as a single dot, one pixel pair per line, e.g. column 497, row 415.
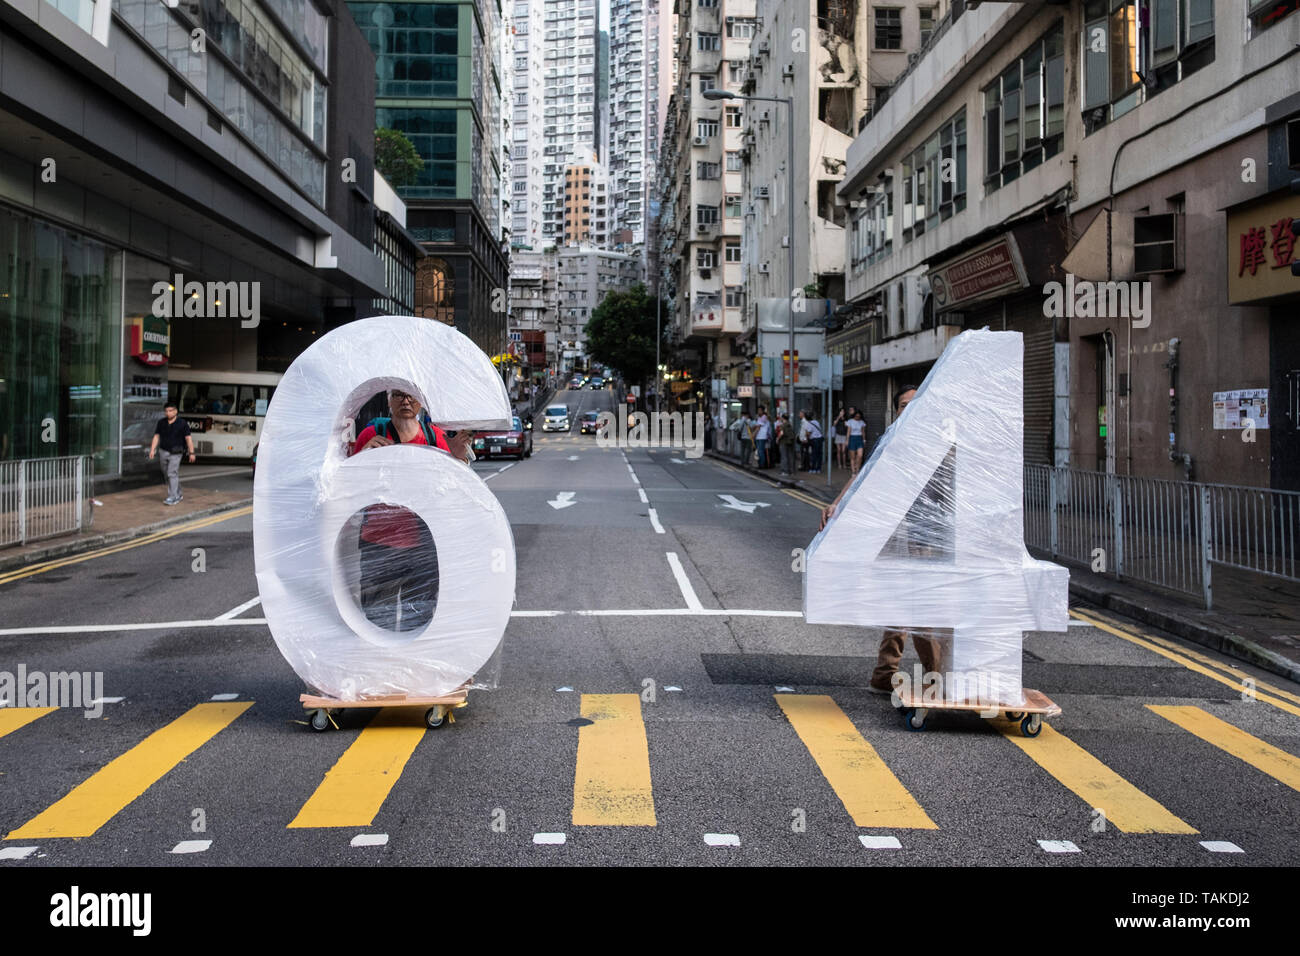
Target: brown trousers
column 929, row 648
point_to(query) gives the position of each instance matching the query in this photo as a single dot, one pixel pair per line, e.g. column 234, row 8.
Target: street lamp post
column 717, row 94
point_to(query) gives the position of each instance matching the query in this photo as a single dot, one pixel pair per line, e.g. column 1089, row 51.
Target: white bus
column 224, row 409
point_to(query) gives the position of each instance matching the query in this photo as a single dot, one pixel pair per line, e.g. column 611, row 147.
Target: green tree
column 396, row 157
column 621, row 333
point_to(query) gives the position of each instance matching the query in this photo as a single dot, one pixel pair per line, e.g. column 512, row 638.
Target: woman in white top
column 857, row 441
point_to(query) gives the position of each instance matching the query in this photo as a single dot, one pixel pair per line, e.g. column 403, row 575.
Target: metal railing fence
column 1160, row 532
column 43, row 497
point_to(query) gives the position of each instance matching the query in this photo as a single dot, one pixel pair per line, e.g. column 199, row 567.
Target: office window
column 734, row 164
column 706, row 215
column 707, row 171
column 732, row 114
column 706, row 128
column 735, row 297
column 735, row 71
column 889, row 28
column 707, row 82
column 740, row 29
column 934, row 178
column 705, row 258
column 708, row 41
column 733, row 251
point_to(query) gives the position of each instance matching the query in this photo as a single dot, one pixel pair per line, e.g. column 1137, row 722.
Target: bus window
column 254, row 399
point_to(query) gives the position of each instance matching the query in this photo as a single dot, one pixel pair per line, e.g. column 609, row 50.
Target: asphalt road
column 737, row 733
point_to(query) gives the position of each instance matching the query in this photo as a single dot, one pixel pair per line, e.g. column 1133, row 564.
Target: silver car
column 556, row 418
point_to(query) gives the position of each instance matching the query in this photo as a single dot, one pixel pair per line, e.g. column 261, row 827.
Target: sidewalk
column 133, row 513
column 1255, row 619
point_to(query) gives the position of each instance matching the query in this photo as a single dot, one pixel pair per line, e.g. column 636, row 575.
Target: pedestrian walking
column 172, row 439
column 842, row 436
column 805, row 444
column 763, row 436
column 815, row 439
column 857, row 429
column 785, row 440
column 745, row 430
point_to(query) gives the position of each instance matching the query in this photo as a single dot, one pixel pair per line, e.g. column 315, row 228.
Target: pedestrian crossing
column 614, row 776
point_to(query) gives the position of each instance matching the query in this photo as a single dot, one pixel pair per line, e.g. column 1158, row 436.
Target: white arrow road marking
column 678, row 461
column 562, row 500
column 573, row 458
column 745, row 506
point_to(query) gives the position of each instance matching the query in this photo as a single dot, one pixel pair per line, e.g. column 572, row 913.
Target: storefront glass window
column 60, row 343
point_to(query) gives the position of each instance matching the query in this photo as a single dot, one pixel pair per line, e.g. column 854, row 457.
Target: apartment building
column 584, row 276
column 1110, row 179
column 572, row 111
column 701, row 188
column 587, row 201
column 533, row 307
column 527, row 126
column 633, row 117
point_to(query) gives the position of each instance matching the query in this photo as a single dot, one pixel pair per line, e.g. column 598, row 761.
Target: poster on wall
column 1240, row 408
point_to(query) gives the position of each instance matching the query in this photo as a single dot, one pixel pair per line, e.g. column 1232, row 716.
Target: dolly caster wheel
column 1031, row 725
column 320, row 720
column 435, row 715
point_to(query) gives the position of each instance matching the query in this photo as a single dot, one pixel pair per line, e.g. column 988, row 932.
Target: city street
column 661, row 702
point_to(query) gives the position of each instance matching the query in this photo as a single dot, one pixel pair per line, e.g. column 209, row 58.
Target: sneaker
column 169, row 501
column 180, row 497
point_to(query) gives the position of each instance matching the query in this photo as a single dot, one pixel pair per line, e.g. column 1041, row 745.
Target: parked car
column 556, row 418
column 515, row 443
column 590, row 422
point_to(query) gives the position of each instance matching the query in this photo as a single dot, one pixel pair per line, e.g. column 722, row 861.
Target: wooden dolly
column 440, row 708
column 1030, row 714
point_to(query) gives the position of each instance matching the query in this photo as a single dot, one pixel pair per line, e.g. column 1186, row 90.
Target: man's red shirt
column 391, row 525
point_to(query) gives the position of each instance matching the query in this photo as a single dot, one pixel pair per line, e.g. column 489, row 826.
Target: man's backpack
column 384, row 428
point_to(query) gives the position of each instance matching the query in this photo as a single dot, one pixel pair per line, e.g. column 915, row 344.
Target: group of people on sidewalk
column 770, row 442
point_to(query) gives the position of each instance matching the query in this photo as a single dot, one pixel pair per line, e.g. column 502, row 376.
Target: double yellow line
column 124, row 546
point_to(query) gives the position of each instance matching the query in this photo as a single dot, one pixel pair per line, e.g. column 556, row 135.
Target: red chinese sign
column 1254, row 247
column 1260, row 248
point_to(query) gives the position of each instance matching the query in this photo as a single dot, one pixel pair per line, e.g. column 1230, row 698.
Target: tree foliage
column 621, row 333
column 396, row 157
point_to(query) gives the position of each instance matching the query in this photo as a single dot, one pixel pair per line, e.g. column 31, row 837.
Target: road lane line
column 870, row 792
column 125, row 546
column 1274, row 761
column 236, row 611
column 685, row 612
column 1191, row 665
column 1127, row 807
column 683, row 582
column 1204, row 659
column 654, row 522
column 611, row 781
column 641, row 493
column 14, row 718
column 146, row 626
column 356, row 787
column 112, row 789
column 806, row 499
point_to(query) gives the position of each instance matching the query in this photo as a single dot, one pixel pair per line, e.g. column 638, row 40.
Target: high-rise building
column 586, row 202
column 527, row 124
column 440, row 83
column 634, row 120
column 571, row 110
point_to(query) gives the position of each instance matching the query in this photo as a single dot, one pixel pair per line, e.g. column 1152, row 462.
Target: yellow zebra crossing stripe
column 1127, row 807
column 1274, row 761
column 13, row 718
column 356, row 787
column 611, row 780
column 870, row 792
column 93, row 803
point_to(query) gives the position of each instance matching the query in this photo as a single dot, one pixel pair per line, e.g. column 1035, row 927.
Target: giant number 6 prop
column 307, row 489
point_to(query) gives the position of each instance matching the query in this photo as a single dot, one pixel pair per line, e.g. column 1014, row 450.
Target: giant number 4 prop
column 966, row 423
column 307, row 489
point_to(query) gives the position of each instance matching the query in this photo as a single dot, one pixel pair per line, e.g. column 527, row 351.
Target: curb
column 90, row 543
column 817, row 490
column 1225, row 642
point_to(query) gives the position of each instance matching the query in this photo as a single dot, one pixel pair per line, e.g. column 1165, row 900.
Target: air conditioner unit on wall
column 761, row 192
column 765, row 116
column 701, row 141
column 1158, row 244
column 765, row 267
column 788, row 71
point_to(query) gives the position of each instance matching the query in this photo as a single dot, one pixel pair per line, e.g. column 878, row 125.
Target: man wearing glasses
column 399, row 563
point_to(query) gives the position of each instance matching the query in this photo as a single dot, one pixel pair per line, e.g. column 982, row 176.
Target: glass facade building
column 60, row 343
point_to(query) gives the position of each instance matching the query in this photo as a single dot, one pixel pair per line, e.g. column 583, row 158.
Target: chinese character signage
column 1261, row 250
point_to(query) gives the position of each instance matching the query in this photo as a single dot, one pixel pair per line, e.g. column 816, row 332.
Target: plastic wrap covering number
column 309, row 496
column 931, row 532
